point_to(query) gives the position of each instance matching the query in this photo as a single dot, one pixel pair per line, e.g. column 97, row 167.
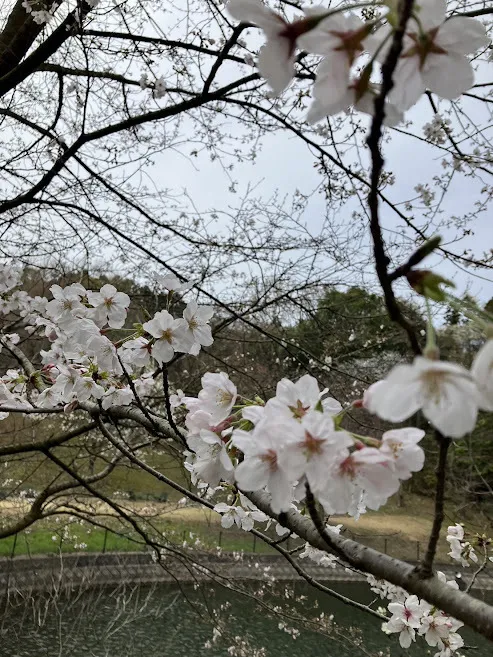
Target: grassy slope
column 400, row 531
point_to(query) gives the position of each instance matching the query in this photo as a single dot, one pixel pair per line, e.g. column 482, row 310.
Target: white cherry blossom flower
column 10, row 277
column 65, row 301
column 236, row 515
column 212, row 463
column 85, row 388
column 199, row 331
column 260, row 467
column 449, row 646
column 318, row 556
column 105, row 354
column 365, row 469
column 277, row 57
column 171, row 283
column 110, row 306
column 136, row 352
column 434, row 627
column 401, row 446
column 218, row 395
column 171, row 335
column 312, row 448
column 66, row 380
column 117, row 397
column 341, row 38
column 445, row 392
column 176, row 399
column 482, row 372
column 49, row 398
column 435, row 58
column 359, row 94
column 406, row 618
column 294, row 400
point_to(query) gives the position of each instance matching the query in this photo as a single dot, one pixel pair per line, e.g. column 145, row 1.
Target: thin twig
column 425, row 568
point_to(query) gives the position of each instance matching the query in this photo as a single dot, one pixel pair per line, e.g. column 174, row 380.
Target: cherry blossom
column 406, row 618
column 277, row 57
column 365, row 469
column 261, row 467
column 311, row 448
column 318, row 556
column 117, row 397
column 199, row 331
column 482, row 372
column 110, row 306
column 136, row 352
column 65, row 301
column 171, row 283
column 435, row 628
column 401, row 446
column 237, row 515
column 445, row 392
column 218, row 395
column 294, row 400
column 433, row 54
column 10, row 277
column 171, row 335
column 105, row 354
column 212, row 463
column 358, row 93
column 85, row 387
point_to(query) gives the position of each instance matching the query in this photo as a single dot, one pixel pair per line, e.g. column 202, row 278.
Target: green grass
column 49, row 539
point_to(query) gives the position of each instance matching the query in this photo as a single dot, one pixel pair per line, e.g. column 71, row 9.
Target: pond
column 175, row 620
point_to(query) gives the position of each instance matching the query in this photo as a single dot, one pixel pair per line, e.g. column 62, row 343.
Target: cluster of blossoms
column 460, row 550
column 433, row 55
column 291, row 441
column 83, row 364
column 411, row 616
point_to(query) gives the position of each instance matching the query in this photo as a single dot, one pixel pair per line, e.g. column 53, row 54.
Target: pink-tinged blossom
column 117, row 397
column 218, row 395
column 401, row 447
column 199, row 331
column 312, row 446
column 445, row 392
column 261, row 467
column 365, row 469
column 406, row 618
column 110, row 306
column 482, row 372
column 435, row 628
column 277, row 57
column 171, row 335
column 433, row 54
